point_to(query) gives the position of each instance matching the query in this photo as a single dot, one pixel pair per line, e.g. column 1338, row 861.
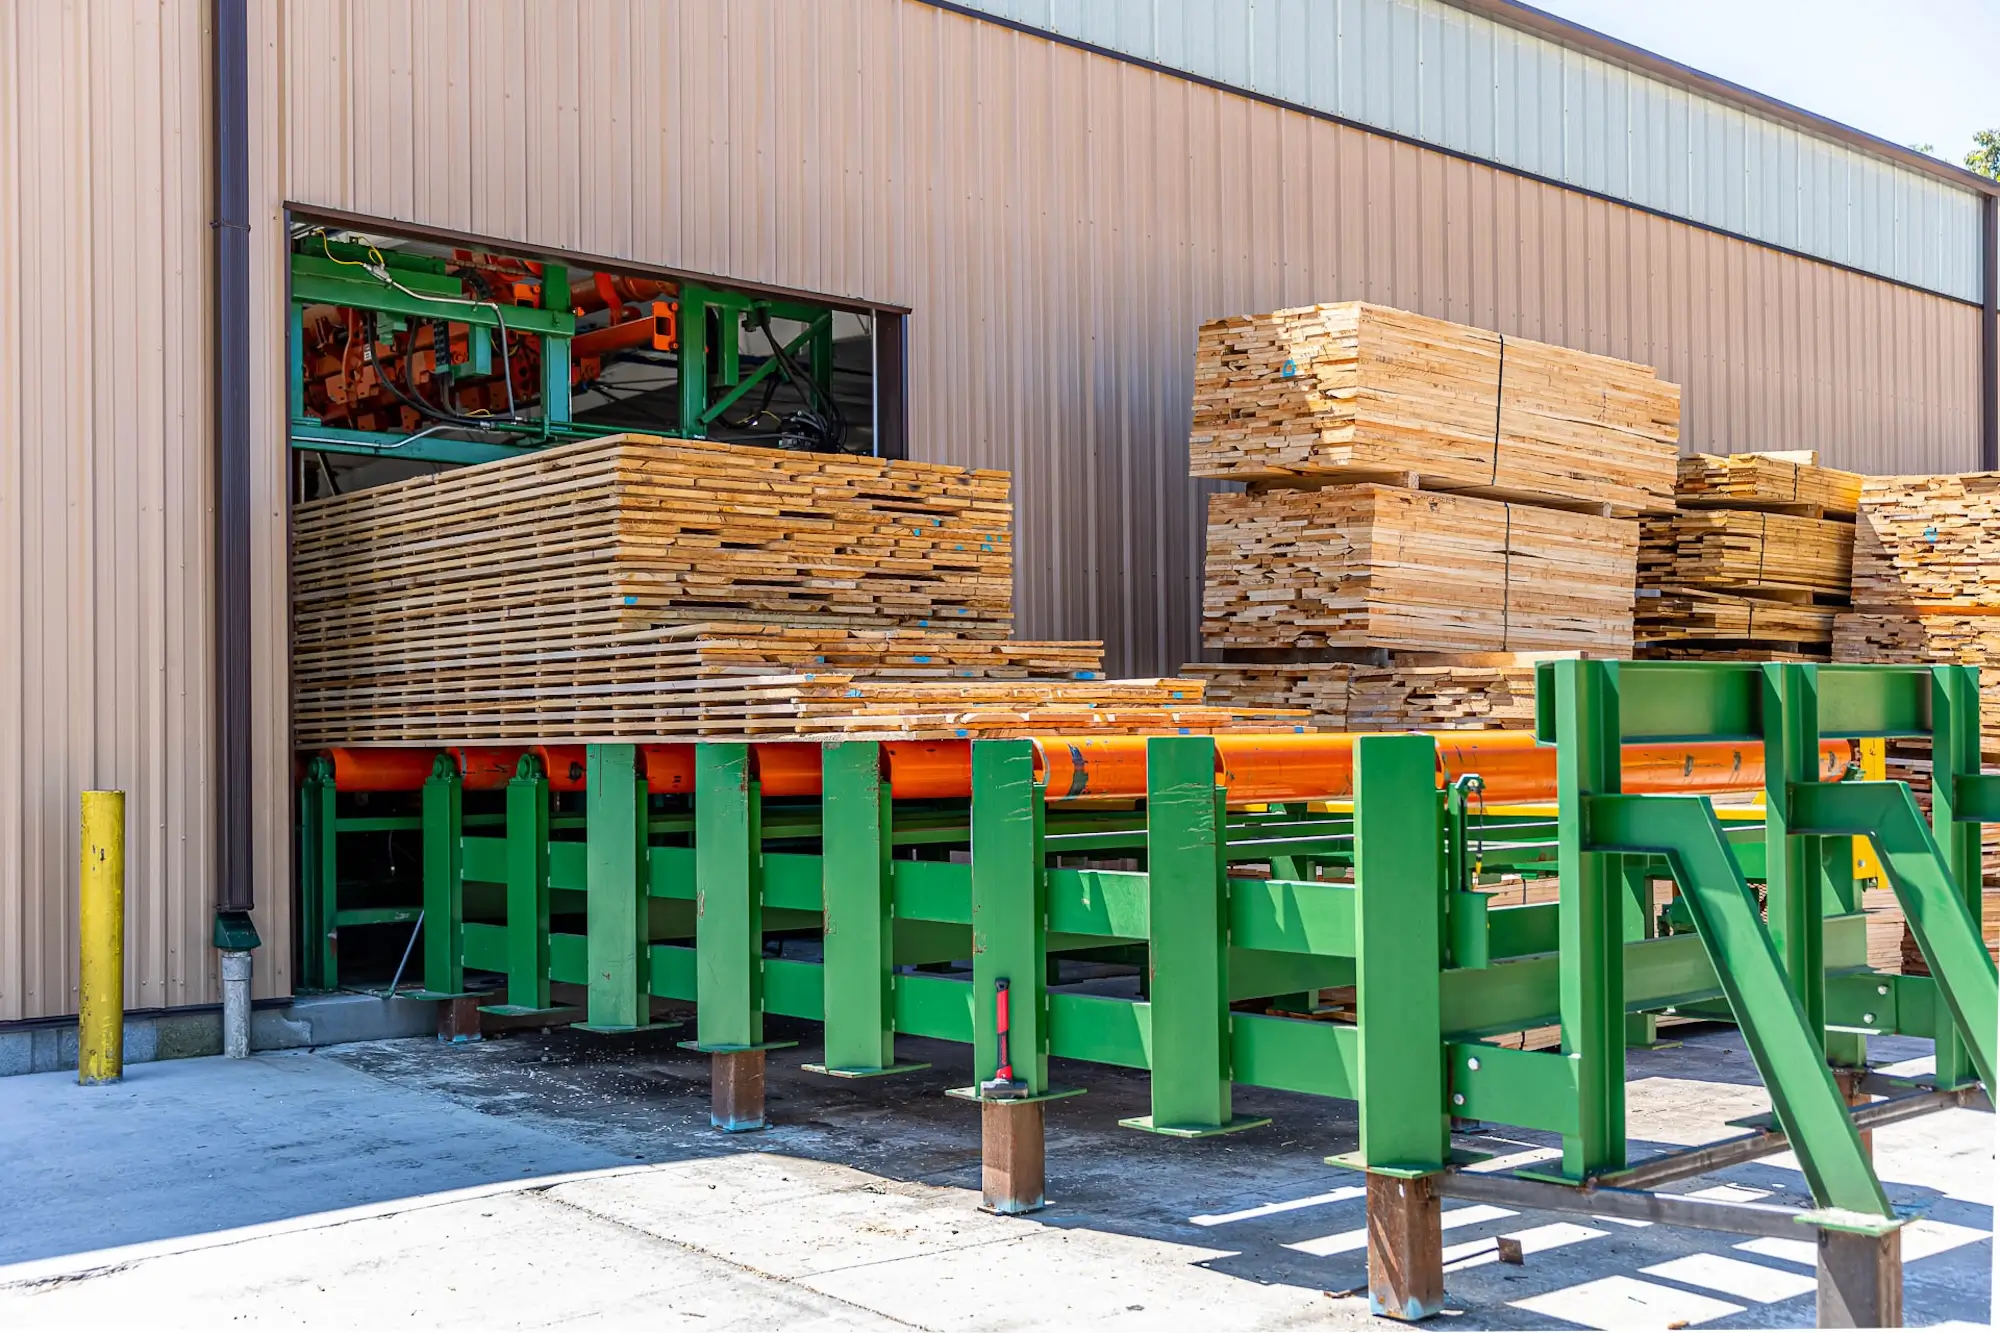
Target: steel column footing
column 1011, row 1156
column 459, row 1018
column 1851, row 1083
column 1860, row 1279
column 1405, row 1246
column 736, row 1090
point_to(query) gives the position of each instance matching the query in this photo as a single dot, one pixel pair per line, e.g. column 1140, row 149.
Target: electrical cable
column 418, row 405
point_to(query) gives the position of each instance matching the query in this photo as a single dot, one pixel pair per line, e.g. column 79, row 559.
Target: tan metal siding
column 104, row 490
column 1057, row 221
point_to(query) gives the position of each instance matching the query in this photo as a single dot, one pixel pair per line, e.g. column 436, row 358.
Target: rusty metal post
column 1405, row 1246
column 1860, row 1279
column 1012, row 1156
column 459, row 1018
column 736, row 1090
column 1849, row 1082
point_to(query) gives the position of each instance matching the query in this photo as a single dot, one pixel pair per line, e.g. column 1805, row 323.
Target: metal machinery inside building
column 846, row 884
column 405, row 356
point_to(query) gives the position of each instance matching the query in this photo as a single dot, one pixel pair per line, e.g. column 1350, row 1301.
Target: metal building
column 1056, row 193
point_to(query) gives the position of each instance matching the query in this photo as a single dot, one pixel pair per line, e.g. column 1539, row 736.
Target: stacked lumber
column 1319, row 689
column 631, row 531
column 1752, row 568
column 1790, row 482
column 634, row 588
column 1375, row 566
column 1727, row 550
column 802, row 706
column 1441, row 698
column 1927, row 580
column 1929, row 545
column 1358, row 392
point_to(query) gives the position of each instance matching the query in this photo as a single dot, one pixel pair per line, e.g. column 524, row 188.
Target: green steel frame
column 396, row 286
column 678, row 897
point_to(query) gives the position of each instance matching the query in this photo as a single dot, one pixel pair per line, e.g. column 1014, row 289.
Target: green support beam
column 527, row 845
column 617, row 953
column 444, row 881
column 1009, row 914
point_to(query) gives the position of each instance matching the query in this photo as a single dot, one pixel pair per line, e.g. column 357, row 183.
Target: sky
column 1910, row 71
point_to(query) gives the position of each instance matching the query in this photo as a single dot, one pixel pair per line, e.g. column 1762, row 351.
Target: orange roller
column 487, row 767
column 1091, row 766
column 787, row 768
column 921, row 770
column 566, row 765
column 1286, row 767
column 380, row 769
column 669, row 769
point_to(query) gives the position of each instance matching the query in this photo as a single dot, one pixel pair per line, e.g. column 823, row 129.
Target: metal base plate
column 1236, row 1123
column 614, row 1030
column 525, row 1010
column 884, row 1072
column 971, row 1094
column 734, row 1050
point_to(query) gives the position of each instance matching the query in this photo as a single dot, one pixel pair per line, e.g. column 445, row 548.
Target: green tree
column 1985, row 155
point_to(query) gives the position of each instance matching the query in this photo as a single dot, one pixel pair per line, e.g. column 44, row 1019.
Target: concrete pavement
column 556, row 1179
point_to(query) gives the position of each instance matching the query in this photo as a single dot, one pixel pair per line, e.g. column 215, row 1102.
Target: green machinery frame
column 396, row 286
column 673, row 898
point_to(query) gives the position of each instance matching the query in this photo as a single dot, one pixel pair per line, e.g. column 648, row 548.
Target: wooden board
column 1375, row 566
column 1792, row 483
column 1339, row 697
column 1359, row 392
column 1318, row 689
column 1747, row 553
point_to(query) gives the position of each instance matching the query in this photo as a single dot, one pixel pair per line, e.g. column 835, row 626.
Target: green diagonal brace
column 1945, row 929
column 1786, row 1049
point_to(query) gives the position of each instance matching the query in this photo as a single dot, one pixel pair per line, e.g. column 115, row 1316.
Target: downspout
column 235, row 891
column 1989, row 341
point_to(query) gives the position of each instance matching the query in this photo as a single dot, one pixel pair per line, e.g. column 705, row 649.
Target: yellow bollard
column 100, row 1052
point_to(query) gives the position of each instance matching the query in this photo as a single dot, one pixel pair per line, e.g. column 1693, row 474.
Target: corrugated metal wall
column 1058, row 222
column 104, row 489
column 1431, row 71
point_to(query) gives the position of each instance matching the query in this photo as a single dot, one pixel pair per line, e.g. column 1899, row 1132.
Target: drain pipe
column 235, row 937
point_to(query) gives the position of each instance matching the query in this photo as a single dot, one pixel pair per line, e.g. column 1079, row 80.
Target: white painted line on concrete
column 1341, row 1195
column 1626, row 1302
column 1734, row 1277
column 1344, row 1241
column 1474, row 1253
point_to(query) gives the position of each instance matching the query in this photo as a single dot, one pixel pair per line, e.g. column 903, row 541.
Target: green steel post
column 1839, row 896
column 296, row 390
column 319, row 884
column 1640, row 1029
column 1955, row 729
column 1591, row 917
column 444, row 880
column 555, row 349
column 729, row 907
column 858, row 939
column 1188, row 908
column 1399, row 881
column 1009, row 913
column 528, row 887
column 1792, row 863
column 616, row 873
column 693, row 359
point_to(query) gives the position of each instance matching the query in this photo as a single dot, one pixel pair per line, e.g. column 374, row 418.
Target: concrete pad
column 186, row 1147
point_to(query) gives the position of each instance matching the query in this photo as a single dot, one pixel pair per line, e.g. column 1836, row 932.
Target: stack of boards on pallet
column 1436, row 503
column 1755, row 566
column 636, row 588
column 1927, row 580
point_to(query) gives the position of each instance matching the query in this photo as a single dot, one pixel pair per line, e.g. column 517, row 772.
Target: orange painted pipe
column 373, row 769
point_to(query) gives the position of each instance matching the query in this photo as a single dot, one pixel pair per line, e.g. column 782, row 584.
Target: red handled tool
column 1003, row 1085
